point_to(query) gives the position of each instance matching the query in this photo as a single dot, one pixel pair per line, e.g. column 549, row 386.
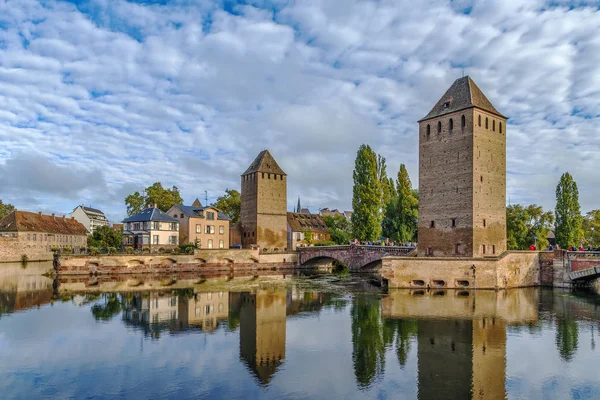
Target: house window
column 221, row 244
column 172, row 239
column 454, row 222
column 210, row 243
column 432, row 224
column 209, row 229
column 451, row 125
column 429, row 251
column 439, row 127
column 428, row 131
column 174, row 226
column 263, row 175
column 28, row 236
column 155, row 239
column 34, row 236
column 181, row 215
column 298, row 236
column 156, row 225
column 136, row 226
column 221, row 230
column 463, row 122
column 198, row 229
column 210, row 215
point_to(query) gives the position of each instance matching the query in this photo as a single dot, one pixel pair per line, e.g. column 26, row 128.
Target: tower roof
column 463, row 94
column 264, row 162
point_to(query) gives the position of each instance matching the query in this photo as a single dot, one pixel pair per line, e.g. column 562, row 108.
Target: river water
column 291, row 337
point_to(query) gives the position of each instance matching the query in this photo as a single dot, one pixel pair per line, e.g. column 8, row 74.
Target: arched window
column 500, row 127
column 479, row 120
column 463, row 122
column 450, row 125
column 494, row 125
column 428, row 131
column 439, row 127
column 486, row 123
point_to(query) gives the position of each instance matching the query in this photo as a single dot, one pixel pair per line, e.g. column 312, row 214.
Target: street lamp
column 535, row 242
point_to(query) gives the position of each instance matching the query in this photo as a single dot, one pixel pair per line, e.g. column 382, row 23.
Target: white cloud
column 187, row 93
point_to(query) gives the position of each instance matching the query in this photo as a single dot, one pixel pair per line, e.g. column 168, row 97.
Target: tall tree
column 231, row 204
column 591, row 227
column 400, row 222
column 5, row 209
column 105, row 236
column 568, row 213
column 386, row 185
column 154, row 194
column 339, row 228
column 366, row 198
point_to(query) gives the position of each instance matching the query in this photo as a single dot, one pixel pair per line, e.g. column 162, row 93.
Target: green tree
column 231, row 204
column 105, row 236
column 368, row 346
column 339, row 228
column 386, row 185
column 154, row 194
column 308, row 237
column 366, row 197
column 567, row 338
column 5, row 209
column 400, row 222
column 568, row 213
column 527, row 225
column 591, row 225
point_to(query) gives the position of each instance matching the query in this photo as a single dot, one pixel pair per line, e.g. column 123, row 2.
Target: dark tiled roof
column 264, row 162
column 300, row 222
column 93, row 210
column 23, row 221
column 192, row 211
column 150, row 214
column 463, row 94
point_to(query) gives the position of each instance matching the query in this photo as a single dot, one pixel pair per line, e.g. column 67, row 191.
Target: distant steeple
column 299, row 207
column 197, row 203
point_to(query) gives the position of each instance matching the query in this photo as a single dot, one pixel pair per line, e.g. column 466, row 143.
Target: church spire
column 299, row 207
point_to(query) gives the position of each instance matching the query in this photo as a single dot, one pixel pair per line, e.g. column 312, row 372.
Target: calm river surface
column 292, row 338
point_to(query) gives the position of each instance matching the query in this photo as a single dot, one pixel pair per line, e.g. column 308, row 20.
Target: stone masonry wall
column 11, row 249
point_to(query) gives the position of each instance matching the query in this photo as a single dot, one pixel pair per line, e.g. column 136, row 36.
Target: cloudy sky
column 99, row 98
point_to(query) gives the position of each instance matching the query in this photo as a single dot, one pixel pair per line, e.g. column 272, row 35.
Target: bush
column 187, row 248
column 67, row 250
column 330, row 243
column 146, row 250
column 265, row 250
column 112, row 250
column 129, row 250
column 82, row 249
column 94, row 251
column 161, row 250
column 55, row 249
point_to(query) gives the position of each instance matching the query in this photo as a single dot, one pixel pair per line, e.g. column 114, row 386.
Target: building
column 151, row 228
column 301, row 226
column 462, row 175
column 91, row 218
column 206, row 225
column 264, row 204
column 38, row 232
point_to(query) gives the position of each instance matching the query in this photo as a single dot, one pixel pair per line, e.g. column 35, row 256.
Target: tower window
column 479, row 120
column 494, row 125
column 484, row 223
column 486, row 123
column 263, row 175
column 439, row 127
column 454, row 222
column 268, row 176
column 451, row 125
column 500, row 127
column 481, row 179
column 483, row 248
column 432, row 224
column 428, row 131
column 463, row 122
column 493, row 249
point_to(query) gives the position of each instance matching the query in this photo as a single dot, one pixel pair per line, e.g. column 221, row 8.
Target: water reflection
column 451, row 344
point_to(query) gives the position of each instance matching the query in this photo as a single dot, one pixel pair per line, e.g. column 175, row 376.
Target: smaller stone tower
column 264, row 204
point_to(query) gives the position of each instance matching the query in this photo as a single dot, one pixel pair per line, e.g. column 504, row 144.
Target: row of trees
column 5, row 209
column 382, row 206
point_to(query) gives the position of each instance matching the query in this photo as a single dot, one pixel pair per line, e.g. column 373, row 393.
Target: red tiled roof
column 23, row 221
column 300, row 222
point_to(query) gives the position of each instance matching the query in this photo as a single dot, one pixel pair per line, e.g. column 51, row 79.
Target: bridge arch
column 357, row 258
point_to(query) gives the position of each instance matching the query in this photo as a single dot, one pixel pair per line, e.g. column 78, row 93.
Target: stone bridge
column 583, row 266
column 357, row 258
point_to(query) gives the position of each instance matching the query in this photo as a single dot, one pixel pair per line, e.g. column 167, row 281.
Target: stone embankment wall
column 201, row 261
column 510, row 270
column 12, row 249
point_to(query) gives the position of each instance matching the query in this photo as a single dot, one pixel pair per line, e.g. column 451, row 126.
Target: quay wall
column 510, row 270
column 201, row 261
column 12, row 249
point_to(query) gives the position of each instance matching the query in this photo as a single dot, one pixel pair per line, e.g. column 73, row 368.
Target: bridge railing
column 345, row 247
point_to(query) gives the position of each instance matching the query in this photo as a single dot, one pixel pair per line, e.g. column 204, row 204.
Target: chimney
column 64, row 217
column 40, row 213
column 53, row 216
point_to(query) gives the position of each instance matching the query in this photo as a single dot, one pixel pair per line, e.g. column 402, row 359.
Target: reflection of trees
column 402, row 330
column 567, row 335
column 368, row 347
column 110, row 308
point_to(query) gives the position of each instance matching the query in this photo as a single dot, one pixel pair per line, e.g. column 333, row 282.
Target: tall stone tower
column 462, row 175
column 264, row 204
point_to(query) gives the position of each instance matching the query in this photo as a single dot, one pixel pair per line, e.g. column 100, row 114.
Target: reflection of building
column 262, row 332
column 203, row 310
column 152, row 311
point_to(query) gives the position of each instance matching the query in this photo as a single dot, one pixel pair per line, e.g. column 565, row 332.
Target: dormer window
column 446, row 104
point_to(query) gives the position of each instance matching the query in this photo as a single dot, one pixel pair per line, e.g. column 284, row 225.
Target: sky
column 100, row 98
